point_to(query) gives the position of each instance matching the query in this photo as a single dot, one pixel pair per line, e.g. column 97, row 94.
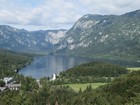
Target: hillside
column 97, row 69
column 98, row 36
column 104, row 36
column 91, row 73
column 122, row 91
column 20, row 40
column 11, row 61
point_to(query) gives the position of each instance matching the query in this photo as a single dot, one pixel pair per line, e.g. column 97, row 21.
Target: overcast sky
column 56, row 14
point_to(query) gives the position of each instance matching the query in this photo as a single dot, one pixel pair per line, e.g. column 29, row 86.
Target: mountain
column 100, row 36
column 29, row 41
column 104, row 36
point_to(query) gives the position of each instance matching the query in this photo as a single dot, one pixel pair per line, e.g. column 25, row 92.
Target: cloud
column 110, row 6
column 58, row 13
column 7, row 17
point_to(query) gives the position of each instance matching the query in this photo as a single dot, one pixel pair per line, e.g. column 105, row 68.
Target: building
column 7, row 80
column 2, row 89
column 10, row 84
column 53, row 77
column 14, row 86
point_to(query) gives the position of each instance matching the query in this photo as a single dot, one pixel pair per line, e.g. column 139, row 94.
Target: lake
column 46, row 66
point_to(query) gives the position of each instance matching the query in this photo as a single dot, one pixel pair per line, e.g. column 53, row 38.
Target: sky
column 58, row 14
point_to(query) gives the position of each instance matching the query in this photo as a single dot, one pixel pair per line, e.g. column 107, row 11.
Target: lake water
column 46, row 66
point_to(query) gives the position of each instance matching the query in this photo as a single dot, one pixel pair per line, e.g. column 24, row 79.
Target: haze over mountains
column 29, row 41
column 92, row 35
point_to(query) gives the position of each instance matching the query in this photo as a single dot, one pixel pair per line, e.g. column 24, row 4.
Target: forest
column 123, row 89
column 11, row 62
column 92, row 72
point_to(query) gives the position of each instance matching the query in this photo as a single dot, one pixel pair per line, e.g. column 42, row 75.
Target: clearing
column 134, row 68
column 76, row 87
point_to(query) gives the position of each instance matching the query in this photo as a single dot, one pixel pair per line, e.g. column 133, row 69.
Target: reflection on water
column 47, row 65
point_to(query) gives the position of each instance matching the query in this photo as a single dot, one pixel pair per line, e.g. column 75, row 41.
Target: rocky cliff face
column 104, row 36
column 25, row 41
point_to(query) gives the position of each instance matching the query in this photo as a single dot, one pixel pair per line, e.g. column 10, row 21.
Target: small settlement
column 12, row 85
column 9, row 84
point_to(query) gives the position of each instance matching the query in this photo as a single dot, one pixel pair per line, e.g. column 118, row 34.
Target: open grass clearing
column 134, row 68
column 76, row 87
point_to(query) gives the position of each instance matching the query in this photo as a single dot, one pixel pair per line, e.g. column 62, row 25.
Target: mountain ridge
column 21, row 40
column 99, row 36
column 114, row 36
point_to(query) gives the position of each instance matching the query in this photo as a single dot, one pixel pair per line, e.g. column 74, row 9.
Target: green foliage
column 82, row 87
column 107, row 36
column 1, row 83
column 11, row 62
column 32, row 95
column 29, row 84
column 124, row 90
column 134, row 68
column 98, row 69
column 91, row 73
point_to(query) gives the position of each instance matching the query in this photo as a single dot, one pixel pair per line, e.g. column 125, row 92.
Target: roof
column 13, row 85
column 7, row 79
column 3, row 88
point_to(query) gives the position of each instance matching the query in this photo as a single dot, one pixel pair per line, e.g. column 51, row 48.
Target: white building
column 14, row 86
column 53, row 77
column 7, row 80
column 2, row 89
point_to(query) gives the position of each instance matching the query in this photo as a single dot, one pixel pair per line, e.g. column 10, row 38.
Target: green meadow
column 76, row 87
column 134, row 68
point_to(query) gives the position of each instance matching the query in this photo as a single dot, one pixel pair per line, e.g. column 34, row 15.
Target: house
column 10, row 84
column 7, row 80
column 14, row 86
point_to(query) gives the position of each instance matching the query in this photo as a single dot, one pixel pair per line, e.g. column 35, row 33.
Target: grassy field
column 134, row 68
column 76, row 87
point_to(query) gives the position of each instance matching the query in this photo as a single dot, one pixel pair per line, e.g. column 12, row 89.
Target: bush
column 2, row 83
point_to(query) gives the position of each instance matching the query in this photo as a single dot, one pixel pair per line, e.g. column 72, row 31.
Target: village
column 10, row 83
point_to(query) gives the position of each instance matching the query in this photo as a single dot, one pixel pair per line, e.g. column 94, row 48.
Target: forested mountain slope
column 11, row 62
column 105, row 36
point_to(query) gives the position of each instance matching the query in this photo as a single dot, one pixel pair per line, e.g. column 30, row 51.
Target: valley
column 37, row 42
column 96, row 62
column 69, row 87
column 96, row 36
column 104, row 36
